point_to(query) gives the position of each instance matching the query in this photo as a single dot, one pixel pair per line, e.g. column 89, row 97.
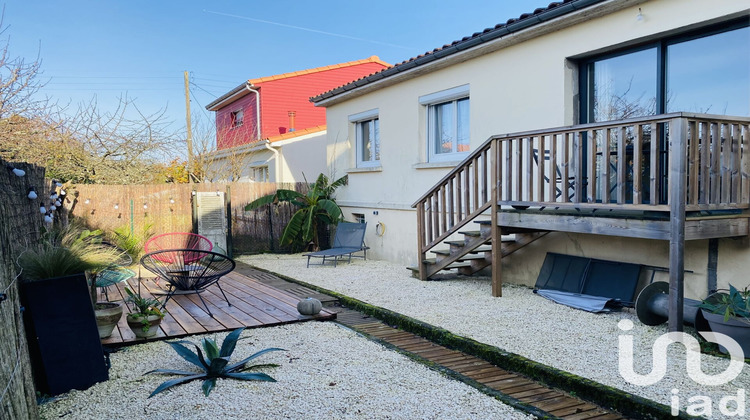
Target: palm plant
column 215, row 364
column 317, row 209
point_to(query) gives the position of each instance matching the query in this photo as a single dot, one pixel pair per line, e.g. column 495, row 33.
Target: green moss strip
column 605, row 396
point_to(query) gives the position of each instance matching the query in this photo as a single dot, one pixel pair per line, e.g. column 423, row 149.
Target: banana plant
column 316, row 208
column 215, row 364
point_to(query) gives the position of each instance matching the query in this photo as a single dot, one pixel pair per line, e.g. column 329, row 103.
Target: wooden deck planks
column 253, row 304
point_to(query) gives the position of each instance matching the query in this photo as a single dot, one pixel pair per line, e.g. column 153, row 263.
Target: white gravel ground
column 520, row 322
column 326, row 372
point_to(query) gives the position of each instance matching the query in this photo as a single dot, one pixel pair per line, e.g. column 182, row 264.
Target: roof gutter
column 230, row 96
column 277, row 162
column 474, row 41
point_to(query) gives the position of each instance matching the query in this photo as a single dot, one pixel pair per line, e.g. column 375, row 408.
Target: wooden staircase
column 474, row 253
column 614, row 168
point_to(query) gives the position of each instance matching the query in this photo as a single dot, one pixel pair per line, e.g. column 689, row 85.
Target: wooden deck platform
column 254, row 304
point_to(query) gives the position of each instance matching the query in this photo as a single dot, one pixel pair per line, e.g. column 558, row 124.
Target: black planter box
column 64, row 344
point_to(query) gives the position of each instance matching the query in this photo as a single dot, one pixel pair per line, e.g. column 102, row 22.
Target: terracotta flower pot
column 107, row 314
column 135, row 322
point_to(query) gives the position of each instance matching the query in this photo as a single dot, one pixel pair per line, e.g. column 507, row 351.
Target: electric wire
column 12, row 374
column 199, row 87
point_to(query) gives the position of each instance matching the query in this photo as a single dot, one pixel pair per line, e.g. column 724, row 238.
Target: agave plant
column 215, row 364
column 316, row 208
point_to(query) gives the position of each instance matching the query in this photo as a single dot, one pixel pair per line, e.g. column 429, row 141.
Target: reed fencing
column 20, row 223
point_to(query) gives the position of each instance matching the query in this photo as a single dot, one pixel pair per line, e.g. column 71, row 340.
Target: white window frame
column 431, row 101
column 234, row 120
column 358, row 120
column 260, row 172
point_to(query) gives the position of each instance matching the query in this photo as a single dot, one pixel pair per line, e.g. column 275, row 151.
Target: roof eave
column 230, row 96
column 455, row 53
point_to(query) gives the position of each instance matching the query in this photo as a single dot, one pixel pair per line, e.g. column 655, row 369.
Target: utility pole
column 189, row 129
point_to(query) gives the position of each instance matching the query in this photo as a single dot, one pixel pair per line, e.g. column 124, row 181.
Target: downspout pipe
column 277, row 162
column 249, row 87
column 266, row 143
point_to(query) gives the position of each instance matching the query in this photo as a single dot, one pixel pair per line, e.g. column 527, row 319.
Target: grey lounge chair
column 350, row 238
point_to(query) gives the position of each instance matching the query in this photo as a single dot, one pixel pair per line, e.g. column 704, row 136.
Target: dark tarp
column 579, row 282
column 579, row 301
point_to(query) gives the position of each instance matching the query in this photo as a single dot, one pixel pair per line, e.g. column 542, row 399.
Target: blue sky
column 141, row 48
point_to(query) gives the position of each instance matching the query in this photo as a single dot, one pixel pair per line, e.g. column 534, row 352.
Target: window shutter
column 212, row 218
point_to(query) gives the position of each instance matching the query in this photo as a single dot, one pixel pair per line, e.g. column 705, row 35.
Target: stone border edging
column 603, row 395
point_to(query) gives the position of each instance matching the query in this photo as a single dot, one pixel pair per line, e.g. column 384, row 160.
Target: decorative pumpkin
column 309, row 306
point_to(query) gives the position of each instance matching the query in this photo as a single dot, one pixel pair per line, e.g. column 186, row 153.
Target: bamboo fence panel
column 164, row 208
column 20, row 223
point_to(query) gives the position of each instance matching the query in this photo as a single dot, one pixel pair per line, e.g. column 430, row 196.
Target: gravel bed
column 521, row 322
column 326, row 372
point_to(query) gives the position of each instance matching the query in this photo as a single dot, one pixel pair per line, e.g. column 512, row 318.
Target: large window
column 710, row 75
column 623, row 86
column 447, row 124
column 703, row 72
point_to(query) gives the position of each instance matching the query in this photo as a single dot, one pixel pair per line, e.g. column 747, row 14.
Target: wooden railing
column 617, row 165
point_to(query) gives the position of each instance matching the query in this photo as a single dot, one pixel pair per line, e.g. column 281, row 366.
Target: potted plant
column 729, row 313
column 64, row 344
column 146, row 317
column 107, row 313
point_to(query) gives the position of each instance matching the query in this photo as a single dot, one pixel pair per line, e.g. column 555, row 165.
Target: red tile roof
column 372, row 59
column 296, row 133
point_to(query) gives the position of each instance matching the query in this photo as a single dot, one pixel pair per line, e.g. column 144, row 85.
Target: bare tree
column 122, row 146
column 19, row 80
column 227, row 164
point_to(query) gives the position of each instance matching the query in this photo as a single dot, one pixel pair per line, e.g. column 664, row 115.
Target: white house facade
column 398, row 132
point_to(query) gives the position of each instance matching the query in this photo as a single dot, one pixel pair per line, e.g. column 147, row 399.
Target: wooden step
column 481, row 249
column 456, row 243
column 457, row 264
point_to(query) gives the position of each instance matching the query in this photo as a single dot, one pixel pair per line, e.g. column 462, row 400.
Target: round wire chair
column 112, row 276
column 189, row 270
column 178, row 240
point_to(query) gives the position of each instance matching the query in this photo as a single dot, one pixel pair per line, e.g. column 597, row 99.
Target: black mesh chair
column 188, row 270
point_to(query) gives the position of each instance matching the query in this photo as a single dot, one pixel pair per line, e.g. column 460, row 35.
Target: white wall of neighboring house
column 295, row 157
column 303, row 157
column 529, row 83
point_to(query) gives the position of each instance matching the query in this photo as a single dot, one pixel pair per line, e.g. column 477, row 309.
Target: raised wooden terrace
column 254, row 304
column 674, row 177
